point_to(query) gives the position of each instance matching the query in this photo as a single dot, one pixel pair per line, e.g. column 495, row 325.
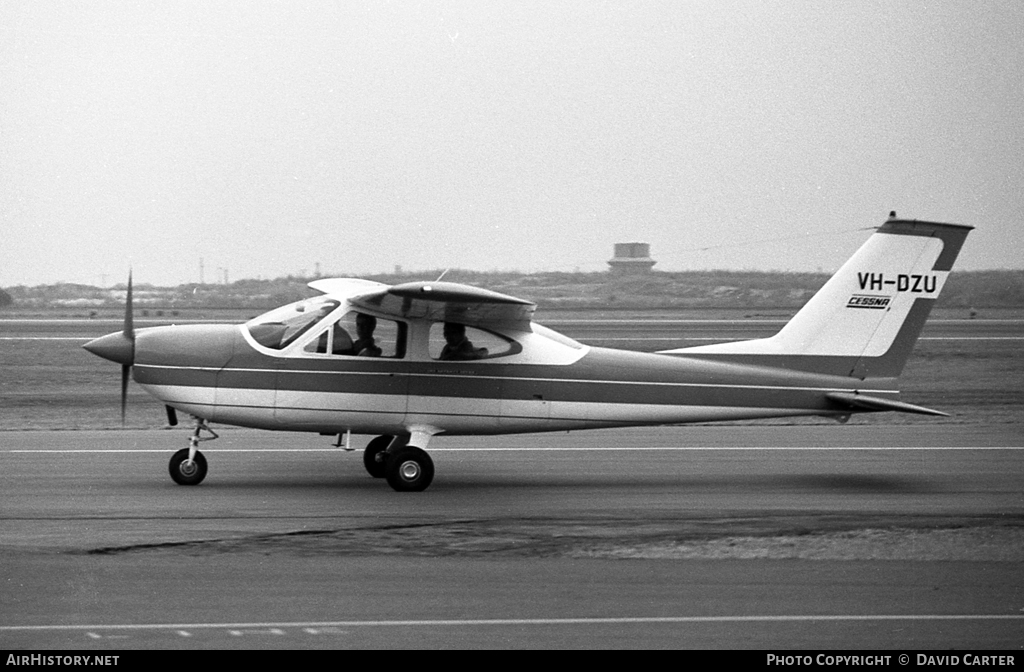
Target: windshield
column 283, row 325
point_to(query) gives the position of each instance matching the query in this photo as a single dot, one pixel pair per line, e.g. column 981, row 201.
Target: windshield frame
column 279, row 328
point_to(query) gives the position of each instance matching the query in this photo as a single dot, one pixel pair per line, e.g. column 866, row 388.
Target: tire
column 374, row 457
column 410, row 470
column 184, row 473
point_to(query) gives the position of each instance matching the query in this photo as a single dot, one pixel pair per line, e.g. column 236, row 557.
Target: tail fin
column 865, row 320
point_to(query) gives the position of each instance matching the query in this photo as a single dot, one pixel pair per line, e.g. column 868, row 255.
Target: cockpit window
column 281, row 326
column 358, row 334
column 450, row 341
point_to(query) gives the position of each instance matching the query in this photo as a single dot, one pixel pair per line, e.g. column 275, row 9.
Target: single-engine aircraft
column 416, row 360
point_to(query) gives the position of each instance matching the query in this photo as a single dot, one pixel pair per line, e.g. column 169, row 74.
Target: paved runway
column 895, row 537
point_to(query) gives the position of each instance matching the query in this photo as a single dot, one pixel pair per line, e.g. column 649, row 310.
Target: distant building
column 632, row 259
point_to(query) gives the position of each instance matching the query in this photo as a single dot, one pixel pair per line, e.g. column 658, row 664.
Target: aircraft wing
column 346, row 287
column 878, row 404
column 449, row 302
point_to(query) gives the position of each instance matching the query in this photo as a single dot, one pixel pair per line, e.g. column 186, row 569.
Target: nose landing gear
column 188, row 465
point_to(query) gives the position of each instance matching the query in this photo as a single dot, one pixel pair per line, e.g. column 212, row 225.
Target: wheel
column 184, row 473
column 374, row 458
column 410, row 470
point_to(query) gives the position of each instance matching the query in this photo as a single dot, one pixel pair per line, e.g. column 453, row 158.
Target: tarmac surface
column 819, row 536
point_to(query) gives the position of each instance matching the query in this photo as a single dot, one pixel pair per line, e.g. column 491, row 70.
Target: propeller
column 120, row 347
column 129, row 335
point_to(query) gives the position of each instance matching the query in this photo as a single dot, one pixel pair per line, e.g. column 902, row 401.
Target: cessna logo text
column 865, row 301
column 918, row 284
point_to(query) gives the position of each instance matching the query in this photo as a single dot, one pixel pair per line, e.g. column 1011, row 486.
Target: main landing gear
column 188, row 466
column 375, row 457
column 406, row 468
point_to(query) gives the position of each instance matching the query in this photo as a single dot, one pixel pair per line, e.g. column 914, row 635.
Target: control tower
column 632, row 259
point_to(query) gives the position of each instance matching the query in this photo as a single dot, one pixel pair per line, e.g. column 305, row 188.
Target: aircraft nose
column 116, row 347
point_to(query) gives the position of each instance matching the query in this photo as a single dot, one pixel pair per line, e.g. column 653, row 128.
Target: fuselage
column 546, row 383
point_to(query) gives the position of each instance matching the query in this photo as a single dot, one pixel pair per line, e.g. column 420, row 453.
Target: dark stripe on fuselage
column 602, row 376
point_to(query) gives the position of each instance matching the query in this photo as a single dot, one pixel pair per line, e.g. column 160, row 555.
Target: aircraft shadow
column 449, row 482
column 824, row 483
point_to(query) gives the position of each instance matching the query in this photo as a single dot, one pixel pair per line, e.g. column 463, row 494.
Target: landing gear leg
column 188, row 466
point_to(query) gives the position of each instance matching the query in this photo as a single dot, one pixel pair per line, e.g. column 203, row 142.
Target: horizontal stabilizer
column 860, row 401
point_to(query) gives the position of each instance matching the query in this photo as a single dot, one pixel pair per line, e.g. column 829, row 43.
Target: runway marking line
column 730, row 340
column 508, row 450
column 276, row 627
column 45, row 338
column 612, row 338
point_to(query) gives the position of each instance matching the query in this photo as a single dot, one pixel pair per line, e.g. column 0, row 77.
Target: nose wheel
column 185, row 471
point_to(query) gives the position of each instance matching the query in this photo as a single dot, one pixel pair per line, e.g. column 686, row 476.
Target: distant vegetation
column 984, row 289
column 693, row 289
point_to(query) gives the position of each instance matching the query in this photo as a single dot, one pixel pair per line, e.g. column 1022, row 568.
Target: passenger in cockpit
column 457, row 346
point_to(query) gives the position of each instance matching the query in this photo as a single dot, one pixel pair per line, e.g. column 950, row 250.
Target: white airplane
column 412, row 361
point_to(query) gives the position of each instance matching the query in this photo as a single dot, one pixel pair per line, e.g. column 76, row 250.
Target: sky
column 204, row 140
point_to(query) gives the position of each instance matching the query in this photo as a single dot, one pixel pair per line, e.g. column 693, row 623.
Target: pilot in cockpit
column 341, row 342
column 365, row 345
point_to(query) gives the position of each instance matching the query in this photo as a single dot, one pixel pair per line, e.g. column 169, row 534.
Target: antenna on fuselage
column 443, row 273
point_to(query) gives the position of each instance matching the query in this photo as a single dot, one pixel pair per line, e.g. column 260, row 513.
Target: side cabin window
column 281, row 326
column 361, row 335
column 453, row 342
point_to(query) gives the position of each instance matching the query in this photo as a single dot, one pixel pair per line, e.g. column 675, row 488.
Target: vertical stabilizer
column 865, row 320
